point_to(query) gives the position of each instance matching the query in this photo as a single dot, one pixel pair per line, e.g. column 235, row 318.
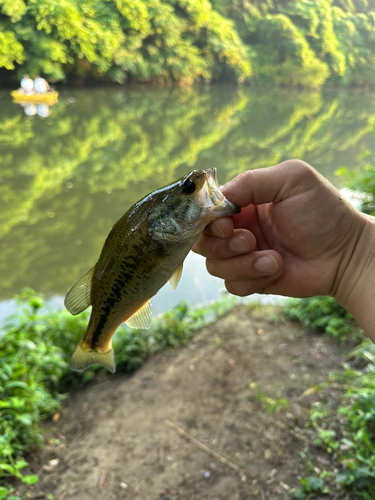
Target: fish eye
column 188, row 187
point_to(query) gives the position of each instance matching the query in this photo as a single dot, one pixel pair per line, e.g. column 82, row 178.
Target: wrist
column 356, row 289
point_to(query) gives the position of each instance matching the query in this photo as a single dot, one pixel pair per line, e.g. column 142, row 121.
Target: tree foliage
column 294, row 42
column 307, row 42
column 147, row 40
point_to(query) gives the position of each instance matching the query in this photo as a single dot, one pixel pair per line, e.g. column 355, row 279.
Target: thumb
column 272, row 184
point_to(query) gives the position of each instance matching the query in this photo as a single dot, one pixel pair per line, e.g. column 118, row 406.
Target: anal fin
column 142, row 318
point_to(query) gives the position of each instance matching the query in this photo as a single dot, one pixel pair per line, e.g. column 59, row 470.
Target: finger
column 249, row 266
column 243, row 288
column 272, row 184
column 241, row 242
column 222, row 228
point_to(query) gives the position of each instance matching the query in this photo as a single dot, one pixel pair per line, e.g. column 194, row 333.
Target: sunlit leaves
column 289, row 57
column 15, row 9
column 136, row 14
column 302, row 42
column 156, row 40
column 307, row 42
column 90, row 32
column 11, row 50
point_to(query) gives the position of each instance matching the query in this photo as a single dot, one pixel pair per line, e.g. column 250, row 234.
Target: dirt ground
column 188, row 424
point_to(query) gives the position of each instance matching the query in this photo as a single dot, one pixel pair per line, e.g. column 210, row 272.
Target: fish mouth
column 214, row 199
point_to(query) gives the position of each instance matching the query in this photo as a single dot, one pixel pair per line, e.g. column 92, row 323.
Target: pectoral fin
column 176, row 276
column 79, row 296
column 142, row 318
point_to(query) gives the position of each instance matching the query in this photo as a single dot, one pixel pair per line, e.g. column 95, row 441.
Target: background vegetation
column 292, row 42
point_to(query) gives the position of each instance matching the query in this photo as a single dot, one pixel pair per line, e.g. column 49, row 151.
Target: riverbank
column 222, row 418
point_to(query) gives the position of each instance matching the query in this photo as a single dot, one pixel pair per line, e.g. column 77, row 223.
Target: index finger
column 222, row 228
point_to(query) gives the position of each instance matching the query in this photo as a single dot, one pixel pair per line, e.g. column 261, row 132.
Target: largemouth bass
column 144, row 249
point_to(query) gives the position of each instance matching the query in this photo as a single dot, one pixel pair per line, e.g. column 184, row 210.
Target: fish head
column 185, row 207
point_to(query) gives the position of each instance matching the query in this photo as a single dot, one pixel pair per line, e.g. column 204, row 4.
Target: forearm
column 356, row 291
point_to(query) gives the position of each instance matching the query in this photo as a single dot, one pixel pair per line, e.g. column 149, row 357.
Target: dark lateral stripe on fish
column 111, row 301
column 119, row 285
column 105, row 310
column 109, row 304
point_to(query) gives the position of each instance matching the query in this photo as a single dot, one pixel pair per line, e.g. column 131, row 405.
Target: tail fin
column 83, row 359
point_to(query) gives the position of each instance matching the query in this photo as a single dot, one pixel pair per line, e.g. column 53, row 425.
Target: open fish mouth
column 213, row 198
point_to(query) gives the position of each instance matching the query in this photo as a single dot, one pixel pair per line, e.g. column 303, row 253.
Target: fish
column 144, row 250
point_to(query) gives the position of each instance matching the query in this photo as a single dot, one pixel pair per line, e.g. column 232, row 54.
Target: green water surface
column 65, row 179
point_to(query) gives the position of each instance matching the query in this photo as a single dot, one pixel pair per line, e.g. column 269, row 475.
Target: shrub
column 323, row 314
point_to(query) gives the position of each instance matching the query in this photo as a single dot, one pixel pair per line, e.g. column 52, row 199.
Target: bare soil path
column 133, row 437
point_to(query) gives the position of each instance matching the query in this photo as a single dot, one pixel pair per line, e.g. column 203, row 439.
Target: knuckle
column 197, row 248
column 210, row 266
column 301, row 168
column 245, row 176
column 239, row 288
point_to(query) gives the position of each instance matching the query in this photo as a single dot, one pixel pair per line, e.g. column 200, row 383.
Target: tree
column 146, row 40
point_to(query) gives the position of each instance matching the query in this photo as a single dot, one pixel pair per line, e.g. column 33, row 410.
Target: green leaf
column 30, row 479
column 11, row 470
column 312, row 484
column 16, row 384
column 20, row 464
column 25, row 418
column 345, row 478
column 300, row 493
column 3, row 492
column 341, row 171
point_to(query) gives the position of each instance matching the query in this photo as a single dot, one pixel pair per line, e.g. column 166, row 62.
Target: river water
column 66, row 178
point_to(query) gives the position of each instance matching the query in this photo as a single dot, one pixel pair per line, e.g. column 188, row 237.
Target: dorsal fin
column 79, row 296
column 142, row 318
column 176, row 276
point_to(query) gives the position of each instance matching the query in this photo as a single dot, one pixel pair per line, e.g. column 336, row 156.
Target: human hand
column 294, row 236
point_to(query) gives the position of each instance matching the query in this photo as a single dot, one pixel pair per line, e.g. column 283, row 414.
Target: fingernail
column 239, row 244
column 266, row 265
column 217, row 231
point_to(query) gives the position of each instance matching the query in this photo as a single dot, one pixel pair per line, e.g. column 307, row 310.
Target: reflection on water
column 31, row 109
column 65, row 179
column 34, row 108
